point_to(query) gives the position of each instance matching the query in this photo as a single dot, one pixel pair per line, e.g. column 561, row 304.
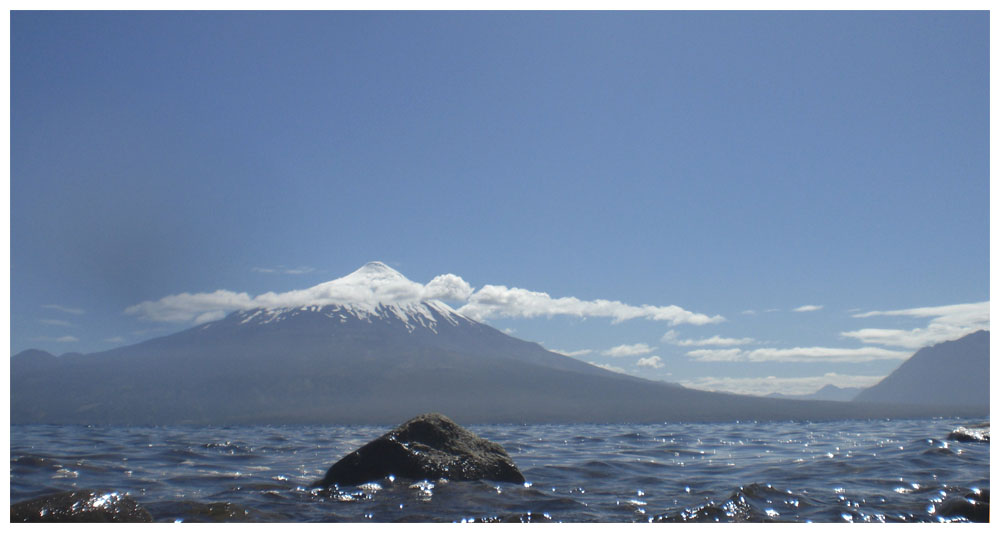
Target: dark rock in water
column 80, row 506
column 975, row 433
column 429, row 446
column 975, row 507
column 755, row 502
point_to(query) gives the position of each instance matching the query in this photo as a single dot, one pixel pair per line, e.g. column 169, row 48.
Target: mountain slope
column 362, row 361
column 950, row 373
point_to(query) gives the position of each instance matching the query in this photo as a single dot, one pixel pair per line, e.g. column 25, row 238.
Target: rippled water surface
column 861, row 471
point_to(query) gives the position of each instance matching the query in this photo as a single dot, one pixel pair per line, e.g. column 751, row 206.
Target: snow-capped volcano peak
column 431, row 315
column 374, row 291
column 374, row 283
column 366, row 289
column 375, row 271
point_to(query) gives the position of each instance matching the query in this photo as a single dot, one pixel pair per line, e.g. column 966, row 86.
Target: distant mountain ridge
column 827, row 392
column 950, row 373
column 364, row 361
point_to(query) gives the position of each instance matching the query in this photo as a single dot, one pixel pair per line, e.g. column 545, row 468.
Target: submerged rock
column 429, row 446
column 751, row 503
column 80, row 506
column 974, row 506
column 974, row 433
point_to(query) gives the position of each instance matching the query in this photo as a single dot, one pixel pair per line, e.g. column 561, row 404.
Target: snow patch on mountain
column 427, row 314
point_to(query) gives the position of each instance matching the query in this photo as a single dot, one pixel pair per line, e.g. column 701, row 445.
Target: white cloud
column 210, row 316
column 625, row 350
column 284, row 270
column 376, row 283
column 842, row 355
column 65, row 338
column 576, row 353
column 367, row 286
column 948, row 322
column 799, row 355
column 708, row 355
column 671, row 337
column 807, row 308
column 499, row 300
column 448, row 287
column 771, row 384
column 748, row 312
column 64, row 309
column 612, row 368
column 115, row 340
column 651, row 362
column 186, row 307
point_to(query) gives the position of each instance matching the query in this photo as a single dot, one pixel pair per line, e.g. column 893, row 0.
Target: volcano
column 364, row 349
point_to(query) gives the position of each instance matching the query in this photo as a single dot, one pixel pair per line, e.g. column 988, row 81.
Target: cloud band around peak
column 488, row 302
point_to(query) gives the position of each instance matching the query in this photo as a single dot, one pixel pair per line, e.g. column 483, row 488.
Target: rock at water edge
column 80, row 506
column 429, row 446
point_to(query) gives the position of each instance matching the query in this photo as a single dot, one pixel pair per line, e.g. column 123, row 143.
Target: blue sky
column 732, row 164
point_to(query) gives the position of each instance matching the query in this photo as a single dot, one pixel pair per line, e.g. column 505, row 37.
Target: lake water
column 853, row 471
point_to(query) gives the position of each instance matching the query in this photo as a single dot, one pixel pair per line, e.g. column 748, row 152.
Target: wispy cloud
column 651, row 362
column 799, row 355
column 671, row 337
column 65, row 338
column 64, row 309
column 625, row 350
column 948, row 322
column 489, row 301
column 576, row 353
column 115, row 340
column 353, row 289
column 807, row 308
column 54, row 322
column 612, row 368
column 772, row 384
column 187, row 307
column 501, row 301
column 717, row 355
column 210, row 316
column 283, row 270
